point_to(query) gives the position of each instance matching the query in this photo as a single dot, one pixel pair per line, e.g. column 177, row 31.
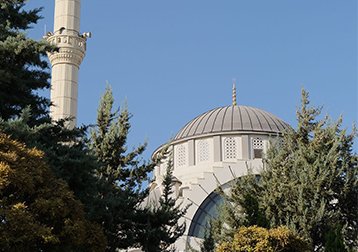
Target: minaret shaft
column 66, row 62
column 67, row 15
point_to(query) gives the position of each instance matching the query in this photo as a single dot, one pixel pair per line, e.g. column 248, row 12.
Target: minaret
column 66, row 62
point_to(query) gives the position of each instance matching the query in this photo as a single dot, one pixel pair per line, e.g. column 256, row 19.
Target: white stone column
column 66, row 62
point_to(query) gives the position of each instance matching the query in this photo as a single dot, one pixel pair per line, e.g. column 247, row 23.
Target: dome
column 232, row 119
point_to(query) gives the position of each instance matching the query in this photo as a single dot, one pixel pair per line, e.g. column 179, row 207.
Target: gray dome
column 232, row 119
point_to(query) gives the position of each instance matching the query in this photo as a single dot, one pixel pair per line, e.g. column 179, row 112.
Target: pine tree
column 208, row 244
column 161, row 227
column 334, row 241
column 120, row 209
column 121, row 174
column 309, row 182
column 240, row 208
column 23, row 68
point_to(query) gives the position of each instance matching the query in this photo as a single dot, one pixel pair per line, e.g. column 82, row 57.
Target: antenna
column 45, row 30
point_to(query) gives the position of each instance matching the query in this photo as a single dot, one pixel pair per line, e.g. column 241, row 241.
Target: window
column 181, row 155
column 230, row 148
column 206, row 211
column 203, row 151
column 258, row 146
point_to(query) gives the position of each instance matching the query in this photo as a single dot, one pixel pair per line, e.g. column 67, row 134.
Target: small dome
column 232, row 119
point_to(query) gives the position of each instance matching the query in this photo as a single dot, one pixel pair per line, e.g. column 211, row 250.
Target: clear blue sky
column 174, row 60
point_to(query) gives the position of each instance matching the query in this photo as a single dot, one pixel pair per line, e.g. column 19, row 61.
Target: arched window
column 258, row 147
column 203, row 151
column 230, row 148
column 206, row 211
column 181, row 155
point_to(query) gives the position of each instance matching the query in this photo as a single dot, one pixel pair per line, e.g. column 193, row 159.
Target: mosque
column 209, row 151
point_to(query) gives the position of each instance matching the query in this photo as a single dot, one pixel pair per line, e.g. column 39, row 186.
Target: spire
column 233, row 92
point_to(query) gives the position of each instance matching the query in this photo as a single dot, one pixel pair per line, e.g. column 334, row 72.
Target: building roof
column 232, row 119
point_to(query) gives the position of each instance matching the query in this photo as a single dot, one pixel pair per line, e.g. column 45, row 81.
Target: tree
column 161, row 227
column 23, row 69
column 309, row 182
column 258, row 239
column 68, row 161
column 208, row 244
column 125, row 219
column 334, row 241
column 38, row 212
column 240, row 208
column 120, row 172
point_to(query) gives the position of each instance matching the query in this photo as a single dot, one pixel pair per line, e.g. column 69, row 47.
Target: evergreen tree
column 121, row 174
column 161, row 227
column 38, row 212
column 310, row 182
column 240, row 208
column 120, row 210
column 69, row 161
column 208, row 244
column 334, row 241
column 23, row 68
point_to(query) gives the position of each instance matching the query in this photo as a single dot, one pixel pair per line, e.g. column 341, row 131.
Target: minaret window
column 230, row 148
column 181, row 155
column 203, row 151
column 258, row 147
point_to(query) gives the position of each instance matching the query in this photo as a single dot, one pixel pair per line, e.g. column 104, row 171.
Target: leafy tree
column 260, row 239
column 69, row 161
column 310, row 182
column 38, row 212
column 23, row 69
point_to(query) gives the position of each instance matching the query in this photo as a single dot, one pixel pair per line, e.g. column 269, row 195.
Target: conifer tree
column 69, row 161
column 161, row 227
column 208, row 244
column 309, row 182
column 121, row 174
column 334, row 241
column 126, row 222
column 23, row 68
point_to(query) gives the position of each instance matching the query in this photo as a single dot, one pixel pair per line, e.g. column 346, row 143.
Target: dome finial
column 233, row 92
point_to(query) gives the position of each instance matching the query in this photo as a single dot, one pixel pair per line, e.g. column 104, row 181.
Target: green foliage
column 38, row 212
column 240, row 208
column 258, row 239
column 208, row 244
column 23, row 69
column 126, row 222
column 120, row 173
column 69, row 161
column 310, row 182
column 161, row 228
column 334, row 241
